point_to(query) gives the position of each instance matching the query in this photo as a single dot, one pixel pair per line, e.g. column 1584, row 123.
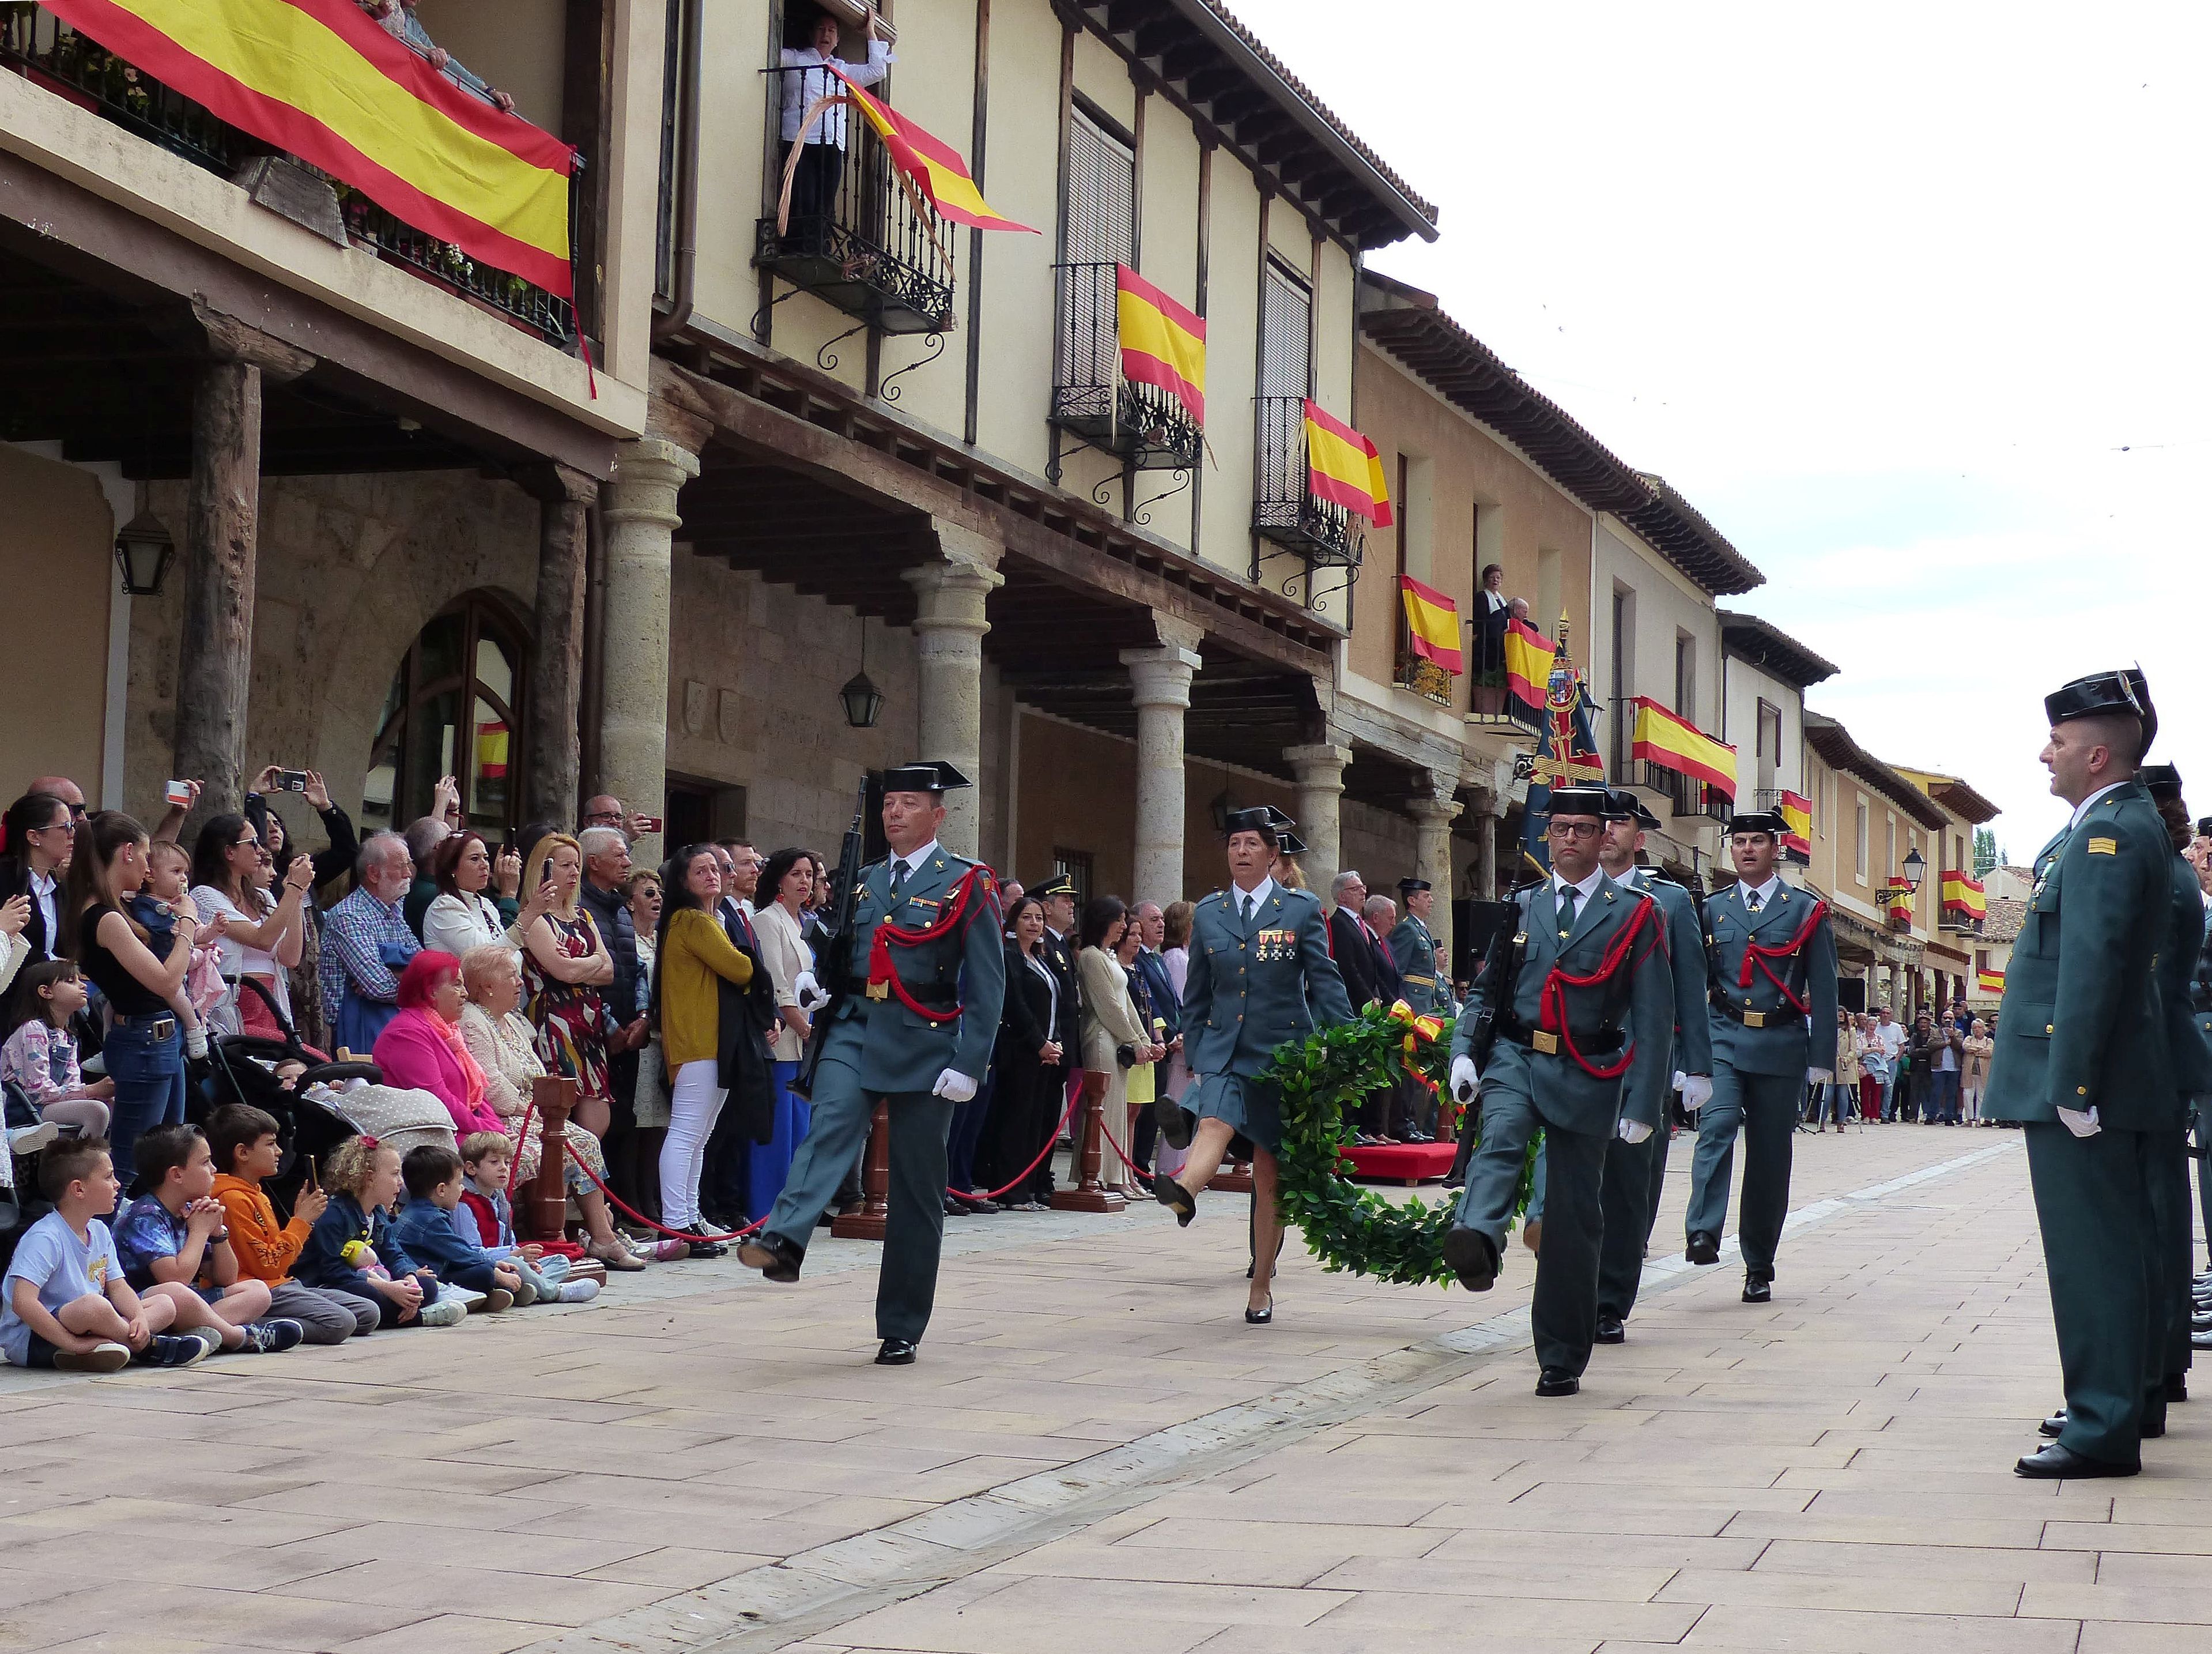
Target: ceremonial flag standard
column 1566, row 756
column 1343, row 467
column 319, row 78
column 1162, row 343
column 935, row 167
column 1990, row 982
column 1676, row 744
column 1962, row 894
column 1528, row 662
column 1798, row 817
column 1432, row 620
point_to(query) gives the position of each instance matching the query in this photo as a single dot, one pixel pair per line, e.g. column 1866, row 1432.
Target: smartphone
column 649, row 824
column 291, row 781
column 177, row 793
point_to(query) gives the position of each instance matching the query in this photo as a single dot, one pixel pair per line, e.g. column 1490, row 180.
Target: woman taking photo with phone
column 264, row 932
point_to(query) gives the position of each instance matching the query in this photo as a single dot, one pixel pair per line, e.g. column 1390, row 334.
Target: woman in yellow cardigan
column 692, row 958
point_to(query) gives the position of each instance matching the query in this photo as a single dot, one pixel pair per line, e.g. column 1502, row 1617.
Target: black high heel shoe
column 1261, row 1317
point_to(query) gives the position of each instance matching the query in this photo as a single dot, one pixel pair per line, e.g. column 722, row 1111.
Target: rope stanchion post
column 869, row 1221
column 552, row 1098
column 1091, row 1193
column 1235, row 1178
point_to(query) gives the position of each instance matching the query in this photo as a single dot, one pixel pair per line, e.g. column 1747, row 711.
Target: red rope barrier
column 1050, row 1143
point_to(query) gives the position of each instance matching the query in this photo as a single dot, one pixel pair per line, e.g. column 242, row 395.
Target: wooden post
column 222, row 545
column 868, row 1222
column 555, row 1096
column 1091, row 1193
column 1233, row 1179
column 554, row 765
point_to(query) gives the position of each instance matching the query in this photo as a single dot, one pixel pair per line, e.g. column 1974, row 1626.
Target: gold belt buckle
column 879, row 991
column 1547, row 1043
column 1754, row 1018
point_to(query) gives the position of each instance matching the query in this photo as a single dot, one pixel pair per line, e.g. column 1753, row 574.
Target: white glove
column 2080, row 1124
column 1696, row 1091
column 1464, row 1078
column 1679, row 1078
column 1634, row 1131
column 1819, row 1076
column 808, row 992
column 953, row 1086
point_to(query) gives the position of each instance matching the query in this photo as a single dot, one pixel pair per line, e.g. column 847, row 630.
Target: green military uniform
column 1414, row 951
column 1576, row 1076
column 2200, row 1005
column 2083, row 1029
column 2191, row 1063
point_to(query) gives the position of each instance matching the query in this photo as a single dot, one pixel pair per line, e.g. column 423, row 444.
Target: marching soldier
column 1770, row 959
column 1260, row 974
column 2082, row 1060
column 925, row 942
column 1580, row 1007
column 1635, row 1172
column 2191, row 1062
column 1415, row 951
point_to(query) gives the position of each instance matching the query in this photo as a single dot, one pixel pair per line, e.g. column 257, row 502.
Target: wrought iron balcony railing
column 40, row 47
column 1686, row 795
column 1283, row 507
column 853, row 236
column 1146, row 426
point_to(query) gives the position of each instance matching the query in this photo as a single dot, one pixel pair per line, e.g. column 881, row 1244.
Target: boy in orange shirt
column 244, row 1141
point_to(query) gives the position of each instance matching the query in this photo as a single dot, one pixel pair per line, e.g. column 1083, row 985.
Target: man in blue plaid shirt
column 367, row 943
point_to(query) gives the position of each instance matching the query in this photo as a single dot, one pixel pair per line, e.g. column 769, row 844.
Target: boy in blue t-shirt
column 64, row 1301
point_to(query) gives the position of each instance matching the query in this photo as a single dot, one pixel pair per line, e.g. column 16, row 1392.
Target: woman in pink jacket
column 422, row 1049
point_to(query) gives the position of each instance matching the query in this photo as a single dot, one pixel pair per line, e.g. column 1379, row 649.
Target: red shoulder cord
column 889, row 936
column 1753, row 953
column 1553, row 1018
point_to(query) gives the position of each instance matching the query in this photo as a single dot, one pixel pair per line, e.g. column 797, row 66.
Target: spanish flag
column 935, row 167
column 1990, row 982
column 1343, row 468
column 321, row 79
column 1528, row 659
column 1897, row 899
column 1963, row 894
column 1676, row 744
column 1798, row 817
column 1433, row 619
column 492, row 751
column 1163, row 344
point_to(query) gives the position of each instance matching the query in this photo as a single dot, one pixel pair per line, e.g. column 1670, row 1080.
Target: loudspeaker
column 1851, row 993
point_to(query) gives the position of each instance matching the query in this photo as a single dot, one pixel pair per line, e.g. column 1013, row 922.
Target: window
column 1686, row 676
column 455, row 708
column 1101, row 227
column 1889, row 863
column 1076, row 864
column 1770, row 746
column 1863, row 841
column 1285, row 335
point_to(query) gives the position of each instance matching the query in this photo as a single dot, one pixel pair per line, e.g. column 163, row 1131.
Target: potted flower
column 1487, row 693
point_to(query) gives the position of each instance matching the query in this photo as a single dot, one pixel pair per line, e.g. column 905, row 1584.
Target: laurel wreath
column 1347, row 1227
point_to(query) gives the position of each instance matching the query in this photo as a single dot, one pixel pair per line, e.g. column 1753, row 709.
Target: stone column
column 949, row 626
column 222, row 527
column 1159, row 683
column 1490, row 817
column 638, row 508
column 1320, row 770
column 1432, row 849
column 551, row 768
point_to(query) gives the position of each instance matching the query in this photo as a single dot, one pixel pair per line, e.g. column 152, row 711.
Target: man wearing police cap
column 1414, row 951
column 1771, row 965
column 1580, row 1009
column 2082, row 1060
column 913, row 1027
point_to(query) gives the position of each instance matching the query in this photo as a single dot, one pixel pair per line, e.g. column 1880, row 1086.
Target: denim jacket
column 322, row 1261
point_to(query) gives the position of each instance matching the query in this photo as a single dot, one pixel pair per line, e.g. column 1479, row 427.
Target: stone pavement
column 1095, row 1451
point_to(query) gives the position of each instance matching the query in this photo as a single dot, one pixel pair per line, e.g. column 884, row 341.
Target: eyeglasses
column 1573, row 829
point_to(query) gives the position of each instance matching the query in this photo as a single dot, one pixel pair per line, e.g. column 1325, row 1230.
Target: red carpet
column 1400, row 1163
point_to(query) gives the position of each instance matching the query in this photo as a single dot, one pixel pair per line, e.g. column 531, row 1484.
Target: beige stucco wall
column 516, row 45
column 57, row 569
column 1747, row 685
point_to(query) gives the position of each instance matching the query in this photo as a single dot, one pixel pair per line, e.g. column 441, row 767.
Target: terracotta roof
column 1950, row 791
column 2003, row 922
column 1765, row 644
column 1835, row 745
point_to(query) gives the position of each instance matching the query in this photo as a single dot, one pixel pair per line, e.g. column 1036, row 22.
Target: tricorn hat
column 1760, row 821
column 1259, row 817
column 2098, row 694
column 927, row 776
column 1579, row 801
column 1289, row 843
column 1407, row 886
column 2163, row 780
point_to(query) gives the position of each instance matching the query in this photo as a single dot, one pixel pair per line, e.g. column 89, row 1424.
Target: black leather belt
column 1784, row 1017
column 935, row 997
column 1603, row 1043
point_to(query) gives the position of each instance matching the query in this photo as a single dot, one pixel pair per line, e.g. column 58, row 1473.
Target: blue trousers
column 149, row 1088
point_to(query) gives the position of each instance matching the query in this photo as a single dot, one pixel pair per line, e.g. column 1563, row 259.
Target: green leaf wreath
column 1346, row 1227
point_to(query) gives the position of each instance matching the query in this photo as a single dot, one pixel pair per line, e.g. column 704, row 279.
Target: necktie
column 1751, row 900
column 898, row 876
column 1567, row 894
column 1247, row 910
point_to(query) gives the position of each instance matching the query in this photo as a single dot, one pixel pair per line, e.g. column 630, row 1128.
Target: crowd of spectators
column 1932, row 1073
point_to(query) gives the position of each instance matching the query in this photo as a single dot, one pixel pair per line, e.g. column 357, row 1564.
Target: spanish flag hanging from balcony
column 1433, row 621
column 1962, row 894
column 935, row 167
column 1897, row 902
column 1162, row 343
column 1798, row 817
column 1990, row 982
column 1676, row 744
column 1528, row 657
column 321, row 79
column 1343, row 468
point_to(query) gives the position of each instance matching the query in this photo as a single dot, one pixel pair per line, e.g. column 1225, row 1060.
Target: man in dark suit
column 1349, row 943
column 1167, row 1011
column 1058, row 946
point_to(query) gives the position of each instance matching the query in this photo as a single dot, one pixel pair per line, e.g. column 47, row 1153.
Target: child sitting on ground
column 64, row 1301
column 168, row 887
column 432, row 1173
column 486, row 1217
column 352, row 1248
column 244, row 1141
column 173, row 1240
column 39, row 1057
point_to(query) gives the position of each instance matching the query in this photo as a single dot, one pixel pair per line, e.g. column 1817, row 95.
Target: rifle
column 1493, row 989
column 833, row 963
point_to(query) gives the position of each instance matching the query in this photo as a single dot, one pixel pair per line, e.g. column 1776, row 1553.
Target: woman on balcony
column 822, row 148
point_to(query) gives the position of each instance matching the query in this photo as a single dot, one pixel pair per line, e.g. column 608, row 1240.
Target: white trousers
column 694, row 1102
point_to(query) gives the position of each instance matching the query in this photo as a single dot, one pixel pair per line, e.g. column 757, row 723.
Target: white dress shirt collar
column 1763, row 893
column 2082, row 808
column 913, row 863
column 1257, row 896
column 1583, row 891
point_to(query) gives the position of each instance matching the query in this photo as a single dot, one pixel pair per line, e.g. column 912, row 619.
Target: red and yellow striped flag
column 1962, row 893
column 321, row 79
column 935, row 166
column 1432, row 618
column 1528, row 657
column 1990, row 982
column 1676, row 744
column 1897, row 899
column 1797, row 814
column 1162, row 343
column 1343, row 468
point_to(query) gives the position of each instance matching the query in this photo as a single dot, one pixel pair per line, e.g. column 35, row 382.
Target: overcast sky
column 1910, row 300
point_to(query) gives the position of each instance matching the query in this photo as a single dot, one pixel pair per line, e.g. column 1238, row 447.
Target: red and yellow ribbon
column 1420, row 1031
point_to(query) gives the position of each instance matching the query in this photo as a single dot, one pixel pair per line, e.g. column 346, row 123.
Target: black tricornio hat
column 1258, row 818
column 2141, row 685
column 1407, row 886
column 1620, row 804
column 1289, row 843
column 2164, row 782
column 1760, row 821
column 1579, row 801
column 929, row 776
column 2100, row 693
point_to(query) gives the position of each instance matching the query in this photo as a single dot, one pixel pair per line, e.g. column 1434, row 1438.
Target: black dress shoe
column 1557, row 1381
column 777, row 1258
column 1472, row 1257
column 1611, row 1330
column 1756, row 1290
column 897, row 1352
column 2051, row 1426
column 2056, row 1463
column 953, row 1208
column 2177, row 1387
column 1703, row 1246
column 1177, row 1199
column 1260, row 1317
column 1175, row 1122
column 980, row 1206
